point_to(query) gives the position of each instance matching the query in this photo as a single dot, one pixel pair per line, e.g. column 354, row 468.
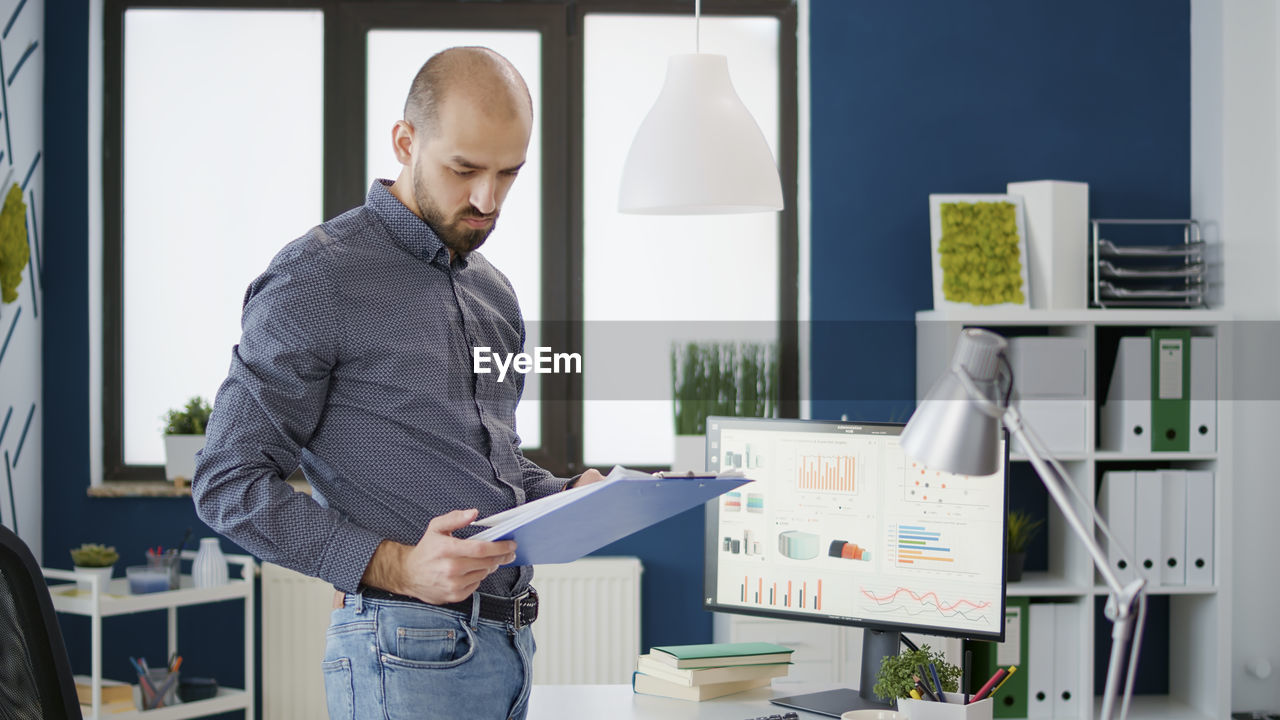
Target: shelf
column 117, row 600
column 1095, row 316
column 1042, row 584
column 1157, row 707
column 1060, row 457
column 227, row 699
column 1112, row 455
column 1165, row 590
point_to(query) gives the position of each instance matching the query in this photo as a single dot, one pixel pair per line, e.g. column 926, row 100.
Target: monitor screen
column 840, row 526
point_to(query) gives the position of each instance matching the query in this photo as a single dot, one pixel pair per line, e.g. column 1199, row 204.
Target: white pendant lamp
column 699, row 151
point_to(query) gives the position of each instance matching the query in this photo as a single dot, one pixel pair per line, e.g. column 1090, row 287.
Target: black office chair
column 35, row 674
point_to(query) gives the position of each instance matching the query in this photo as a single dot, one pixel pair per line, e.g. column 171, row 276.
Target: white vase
column 104, row 573
column 690, row 453
column 210, row 566
column 180, row 456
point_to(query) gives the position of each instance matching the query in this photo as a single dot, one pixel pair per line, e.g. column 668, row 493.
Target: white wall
column 21, row 446
column 1235, row 170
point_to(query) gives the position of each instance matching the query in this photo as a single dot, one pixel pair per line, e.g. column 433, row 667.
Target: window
column 230, row 133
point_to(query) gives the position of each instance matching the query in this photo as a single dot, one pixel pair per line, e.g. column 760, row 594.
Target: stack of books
column 702, row 672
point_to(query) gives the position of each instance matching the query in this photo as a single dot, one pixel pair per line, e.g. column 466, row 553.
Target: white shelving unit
column 115, row 600
column 1199, row 624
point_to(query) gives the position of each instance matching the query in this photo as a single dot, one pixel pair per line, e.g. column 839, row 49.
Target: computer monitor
column 840, row 527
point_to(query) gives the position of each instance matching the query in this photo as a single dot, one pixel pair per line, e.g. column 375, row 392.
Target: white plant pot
column 180, row 455
column 690, row 454
column 103, row 573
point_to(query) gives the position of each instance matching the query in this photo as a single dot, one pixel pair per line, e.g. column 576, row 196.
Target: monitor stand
column 876, row 645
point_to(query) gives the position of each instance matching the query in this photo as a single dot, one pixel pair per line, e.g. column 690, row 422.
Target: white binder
column 1199, row 528
column 1125, row 419
column 1041, row 634
column 1116, row 503
column 1066, row 661
column 1204, row 395
column 1173, row 528
column 1146, row 525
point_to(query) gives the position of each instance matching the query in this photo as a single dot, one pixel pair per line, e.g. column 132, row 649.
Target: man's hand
column 440, row 569
column 591, row 476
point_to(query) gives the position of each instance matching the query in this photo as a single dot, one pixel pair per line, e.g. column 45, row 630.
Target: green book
column 1170, row 389
column 1011, row 700
column 721, row 654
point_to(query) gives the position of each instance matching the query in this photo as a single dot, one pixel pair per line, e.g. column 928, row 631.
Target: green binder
column 1011, row 701
column 1170, row 389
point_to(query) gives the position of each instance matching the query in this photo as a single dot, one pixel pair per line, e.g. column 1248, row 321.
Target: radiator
column 295, row 616
column 588, row 631
column 588, row 628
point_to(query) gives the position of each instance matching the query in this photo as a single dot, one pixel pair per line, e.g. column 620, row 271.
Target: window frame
column 561, row 23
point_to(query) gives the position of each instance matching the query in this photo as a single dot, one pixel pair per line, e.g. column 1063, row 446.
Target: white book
column 706, row 676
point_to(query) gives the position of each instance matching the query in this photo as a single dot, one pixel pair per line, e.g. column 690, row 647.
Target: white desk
column 618, row 702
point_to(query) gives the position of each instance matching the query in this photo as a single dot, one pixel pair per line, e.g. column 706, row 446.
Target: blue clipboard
column 566, row 526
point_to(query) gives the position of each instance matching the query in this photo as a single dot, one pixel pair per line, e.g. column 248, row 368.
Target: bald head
column 480, row 76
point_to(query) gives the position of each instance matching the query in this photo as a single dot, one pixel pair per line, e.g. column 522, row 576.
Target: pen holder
column 953, row 709
column 145, row 699
column 166, row 561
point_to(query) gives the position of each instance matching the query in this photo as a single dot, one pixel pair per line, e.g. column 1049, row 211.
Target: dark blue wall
column 907, row 99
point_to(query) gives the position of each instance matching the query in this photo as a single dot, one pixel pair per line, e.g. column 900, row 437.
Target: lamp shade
column 950, row 430
column 699, row 151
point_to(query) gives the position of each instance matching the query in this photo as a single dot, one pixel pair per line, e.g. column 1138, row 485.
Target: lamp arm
column 1055, row 483
column 1123, row 599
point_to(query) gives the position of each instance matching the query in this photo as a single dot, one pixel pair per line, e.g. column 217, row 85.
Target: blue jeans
column 386, row 659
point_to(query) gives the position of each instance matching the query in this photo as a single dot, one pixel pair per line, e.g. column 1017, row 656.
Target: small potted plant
column 94, row 559
column 1022, row 530
column 897, row 674
column 183, row 438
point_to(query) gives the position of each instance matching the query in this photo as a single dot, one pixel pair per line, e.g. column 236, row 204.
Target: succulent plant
column 94, row 555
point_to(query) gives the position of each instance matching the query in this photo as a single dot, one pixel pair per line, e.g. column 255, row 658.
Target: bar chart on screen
column 793, row 592
column 827, row 473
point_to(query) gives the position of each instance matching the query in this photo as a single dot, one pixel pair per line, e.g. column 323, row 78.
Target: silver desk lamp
column 957, row 429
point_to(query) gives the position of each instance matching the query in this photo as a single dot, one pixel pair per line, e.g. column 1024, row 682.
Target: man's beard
column 455, row 236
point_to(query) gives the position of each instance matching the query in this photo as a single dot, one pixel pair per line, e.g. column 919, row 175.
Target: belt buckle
column 517, row 619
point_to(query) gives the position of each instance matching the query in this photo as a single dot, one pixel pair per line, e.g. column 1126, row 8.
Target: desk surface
column 618, row 702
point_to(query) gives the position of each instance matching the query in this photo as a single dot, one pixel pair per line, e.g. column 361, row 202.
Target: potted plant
column 183, row 438
column 94, row 559
column 1022, row 530
column 896, row 677
column 718, row 378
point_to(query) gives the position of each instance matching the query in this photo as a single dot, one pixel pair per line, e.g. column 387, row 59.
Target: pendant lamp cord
column 697, row 23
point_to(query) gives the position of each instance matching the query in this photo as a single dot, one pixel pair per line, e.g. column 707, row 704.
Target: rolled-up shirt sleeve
column 265, row 413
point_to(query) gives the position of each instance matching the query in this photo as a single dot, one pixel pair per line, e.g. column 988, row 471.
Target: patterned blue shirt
column 355, row 362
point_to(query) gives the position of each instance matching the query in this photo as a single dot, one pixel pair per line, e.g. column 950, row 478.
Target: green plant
column 731, row 379
column 14, row 250
column 1022, row 530
column 979, row 253
column 94, row 555
column 895, row 679
column 190, row 420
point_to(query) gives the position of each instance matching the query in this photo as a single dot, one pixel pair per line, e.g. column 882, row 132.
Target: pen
column 923, row 679
column 142, row 677
column 924, row 689
column 986, row 688
column 966, row 674
column 937, row 683
column 1012, row 669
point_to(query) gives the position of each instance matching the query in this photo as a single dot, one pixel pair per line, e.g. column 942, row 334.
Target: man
column 355, row 362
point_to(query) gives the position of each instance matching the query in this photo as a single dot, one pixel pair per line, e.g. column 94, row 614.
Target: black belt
column 518, row 611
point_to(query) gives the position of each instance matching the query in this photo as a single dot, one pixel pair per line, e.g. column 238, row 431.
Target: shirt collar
column 409, row 231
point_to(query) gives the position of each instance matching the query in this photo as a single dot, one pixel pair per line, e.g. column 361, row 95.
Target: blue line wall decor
column 5, row 427
column 35, row 236
column 13, row 18
column 22, row 439
column 9, row 335
column 30, row 49
column 30, row 171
